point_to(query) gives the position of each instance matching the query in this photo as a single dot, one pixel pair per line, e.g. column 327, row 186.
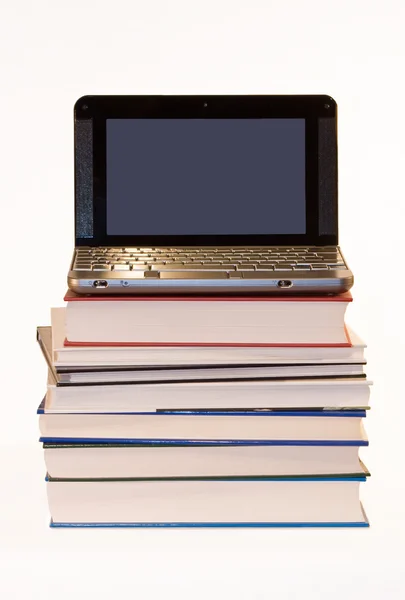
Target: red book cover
column 66, row 343
column 72, row 297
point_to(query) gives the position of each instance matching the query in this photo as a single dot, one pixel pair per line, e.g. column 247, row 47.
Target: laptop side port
column 100, row 283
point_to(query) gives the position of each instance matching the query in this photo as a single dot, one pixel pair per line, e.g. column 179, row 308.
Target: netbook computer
column 206, row 194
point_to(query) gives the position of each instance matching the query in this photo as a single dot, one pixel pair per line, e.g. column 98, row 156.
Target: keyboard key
column 167, row 267
column 245, row 267
column 99, row 267
column 278, row 268
column 258, row 275
column 313, row 261
column 193, row 267
column 302, row 268
column 238, row 263
column 121, row 267
column 82, row 268
column 319, row 267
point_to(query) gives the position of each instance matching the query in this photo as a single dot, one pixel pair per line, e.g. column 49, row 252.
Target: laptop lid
column 205, row 170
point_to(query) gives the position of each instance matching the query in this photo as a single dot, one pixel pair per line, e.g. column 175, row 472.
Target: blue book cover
column 184, row 442
column 206, row 442
column 206, row 525
column 265, row 412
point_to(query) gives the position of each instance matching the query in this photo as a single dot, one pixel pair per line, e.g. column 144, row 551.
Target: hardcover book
column 254, row 320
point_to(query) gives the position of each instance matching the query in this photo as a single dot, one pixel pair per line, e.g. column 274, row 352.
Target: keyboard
column 208, row 261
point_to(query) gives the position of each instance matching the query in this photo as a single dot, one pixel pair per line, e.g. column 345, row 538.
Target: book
column 78, row 373
column 345, row 426
column 253, row 320
column 70, row 357
column 154, row 461
column 208, row 395
column 330, row 501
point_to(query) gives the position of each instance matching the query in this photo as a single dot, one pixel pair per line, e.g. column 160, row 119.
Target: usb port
column 100, row 283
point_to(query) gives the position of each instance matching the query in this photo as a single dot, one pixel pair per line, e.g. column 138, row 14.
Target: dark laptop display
column 205, row 176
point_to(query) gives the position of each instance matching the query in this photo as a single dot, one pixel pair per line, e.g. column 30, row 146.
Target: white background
column 53, row 52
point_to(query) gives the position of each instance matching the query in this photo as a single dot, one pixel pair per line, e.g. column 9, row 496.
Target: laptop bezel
column 91, row 114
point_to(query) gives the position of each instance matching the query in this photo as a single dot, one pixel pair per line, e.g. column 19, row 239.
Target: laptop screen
column 205, row 176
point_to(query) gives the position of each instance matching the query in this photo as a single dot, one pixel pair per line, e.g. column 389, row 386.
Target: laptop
column 206, row 194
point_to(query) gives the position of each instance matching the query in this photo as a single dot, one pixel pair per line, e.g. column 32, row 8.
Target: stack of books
column 204, row 411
